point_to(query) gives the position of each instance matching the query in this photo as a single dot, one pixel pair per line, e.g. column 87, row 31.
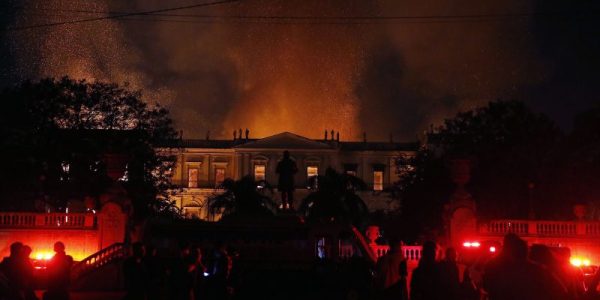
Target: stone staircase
column 101, row 270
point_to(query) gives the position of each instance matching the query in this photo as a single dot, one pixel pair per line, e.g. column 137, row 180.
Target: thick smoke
column 222, row 74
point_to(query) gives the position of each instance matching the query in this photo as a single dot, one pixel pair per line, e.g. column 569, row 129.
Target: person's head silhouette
column 514, row 248
column 428, row 253
column 451, row 254
column 26, row 251
column 59, row 247
column 286, row 154
column 138, row 249
column 15, row 249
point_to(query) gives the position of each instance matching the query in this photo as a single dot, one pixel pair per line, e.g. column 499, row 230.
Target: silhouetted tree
column 49, row 123
column 581, row 153
column 424, row 189
column 241, row 199
column 515, row 158
column 514, row 153
column 334, row 198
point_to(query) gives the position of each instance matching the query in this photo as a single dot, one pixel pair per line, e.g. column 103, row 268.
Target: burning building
column 203, row 164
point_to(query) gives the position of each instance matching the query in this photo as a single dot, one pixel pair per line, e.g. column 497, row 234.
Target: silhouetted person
column 286, row 169
column 571, row 276
column 512, row 276
column 59, row 274
column 135, row 273
column 179, row 285
column 27, row 272
column 468, row 290
column 424, row 282
column 220, row 272
column 156, row 275
column 12, row 270
column 449, row 282
column 391, row 273
column 195, row 274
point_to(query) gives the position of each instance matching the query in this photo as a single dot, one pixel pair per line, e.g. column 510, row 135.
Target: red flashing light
column 493, row 249
column 43, row 255
column 471, row 244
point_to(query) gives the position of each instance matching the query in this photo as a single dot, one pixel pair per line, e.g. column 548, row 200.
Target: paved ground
column 91, row 295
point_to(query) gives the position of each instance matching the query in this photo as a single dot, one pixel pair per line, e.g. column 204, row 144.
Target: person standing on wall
column 286, row 169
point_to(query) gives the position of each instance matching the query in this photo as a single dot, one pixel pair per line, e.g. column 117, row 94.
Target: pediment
column 285, row 140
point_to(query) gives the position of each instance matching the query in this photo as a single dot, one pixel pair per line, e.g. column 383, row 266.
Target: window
column 312, row 171
column 219, row 176
column 65, row 168
column 378, row 180
column 259, row 172
column 193, row 177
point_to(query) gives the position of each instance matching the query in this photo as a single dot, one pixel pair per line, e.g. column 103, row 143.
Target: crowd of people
column 17, row 280
column 517, row 272
column 189, row 276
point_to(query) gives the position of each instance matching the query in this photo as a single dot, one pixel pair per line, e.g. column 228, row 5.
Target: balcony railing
column 541, row 228
column 18, row 220
column 101, row 258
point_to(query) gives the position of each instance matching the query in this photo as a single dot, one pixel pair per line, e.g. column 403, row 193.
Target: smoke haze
column 390, row 77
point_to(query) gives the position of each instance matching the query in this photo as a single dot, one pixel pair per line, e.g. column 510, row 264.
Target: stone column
column 112, row 222
column 461, row 210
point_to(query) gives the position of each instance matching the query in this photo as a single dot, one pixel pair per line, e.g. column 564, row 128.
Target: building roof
column 288, row 140
column 378, row 146
column 285, row 140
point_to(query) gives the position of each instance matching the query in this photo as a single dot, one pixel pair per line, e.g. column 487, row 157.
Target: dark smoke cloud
column 390, row 77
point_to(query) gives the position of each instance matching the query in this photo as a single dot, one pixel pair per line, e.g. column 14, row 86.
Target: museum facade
column 202, row 165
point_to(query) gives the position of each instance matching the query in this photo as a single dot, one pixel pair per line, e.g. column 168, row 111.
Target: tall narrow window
column 219, row 176
column 66, row 169
column 193, row 177
column 378, row 180
column 312, row 171
column 259, row 172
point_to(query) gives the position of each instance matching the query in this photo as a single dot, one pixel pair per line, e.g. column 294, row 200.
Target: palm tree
column 335, row 199
column 242, row 199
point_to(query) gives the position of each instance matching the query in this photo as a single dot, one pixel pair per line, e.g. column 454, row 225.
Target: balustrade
column 541, row 228
column 47, row 220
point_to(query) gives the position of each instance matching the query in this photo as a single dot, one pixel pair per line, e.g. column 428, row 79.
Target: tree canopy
column 54, row 126
column 515, row 158
column 334, row 198
column 241, row 199
column 512, row 150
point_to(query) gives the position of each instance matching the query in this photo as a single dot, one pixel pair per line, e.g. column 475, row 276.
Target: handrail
column 99, row 259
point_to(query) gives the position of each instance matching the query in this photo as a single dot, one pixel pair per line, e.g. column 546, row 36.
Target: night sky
column 305, row 66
